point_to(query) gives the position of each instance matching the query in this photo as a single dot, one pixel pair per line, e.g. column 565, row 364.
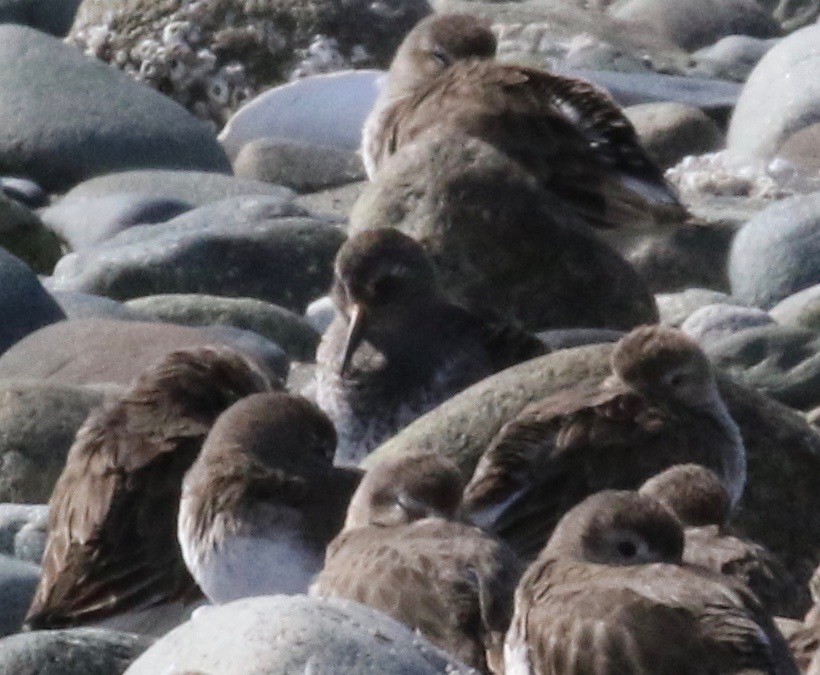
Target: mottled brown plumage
column 608, row 595
column 112, row 544
column 570, row 135
column 262, row 500
column 699, row 499
column 398, row 346
column 661, row 407
column 400, row 553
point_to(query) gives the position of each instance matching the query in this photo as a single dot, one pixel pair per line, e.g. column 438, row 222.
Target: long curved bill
column 355, row 335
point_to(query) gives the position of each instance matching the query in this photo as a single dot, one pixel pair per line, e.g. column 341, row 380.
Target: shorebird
column 660, row 407
column 403, row 552
column 699, row 499
column 112, row 555
column 570, row 135
column 398, row 347
column 262, row 500
column 609, row 595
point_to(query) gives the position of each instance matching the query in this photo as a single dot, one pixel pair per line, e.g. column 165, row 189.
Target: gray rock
column 24, row 304
column 799, row 310
column 780, row 361
column 793, row 14
column 192, row 187
column 89, row 351
column 90, row 651
column 803, row 147
column 23, row 234
column 781, row 96
column 85, row 306
column 334, row 201
column 590, row 54
column 320, row 313
column 502, row 254
column 83, row 222
column 30, row 540
column 18, row 579
column 712, row 323
column 670, row 131
column 697, row 23
column 732, row 57
column 38, row 421
column 56, row 141
column 292, row 635
column 777, row 253
column 781, row 498
column 691, row 255
column 13, row 517
column 255, row 247
column 674, row 308
column 277, row 324
column 27, row 192
column 49, row 16
column 300, row 166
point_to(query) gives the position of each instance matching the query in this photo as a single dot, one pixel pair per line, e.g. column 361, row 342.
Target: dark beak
column 355, row 335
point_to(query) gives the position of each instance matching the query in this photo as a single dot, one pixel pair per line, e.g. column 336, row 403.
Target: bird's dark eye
column 677, row 379
column 441, row 57
column 385, row 288
column 627, row 549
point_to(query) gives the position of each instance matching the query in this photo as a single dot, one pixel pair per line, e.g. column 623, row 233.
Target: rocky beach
column 189, row 177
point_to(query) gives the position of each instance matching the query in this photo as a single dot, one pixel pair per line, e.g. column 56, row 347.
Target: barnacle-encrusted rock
column 212, row 55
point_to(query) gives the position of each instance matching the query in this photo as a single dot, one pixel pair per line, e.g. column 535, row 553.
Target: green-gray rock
column 780, row 504
column 23, row 234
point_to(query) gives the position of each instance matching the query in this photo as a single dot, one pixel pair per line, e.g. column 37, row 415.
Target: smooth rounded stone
column 49, row 16
column 585, row 52
column 300, row 166
column 89, row 351
column 30, row 540
column 777, row 253
column 83, row 222
column 801, row 309
column 576, row 337
column 279, row 325
column 25, row 191
column 500, row 241
column 691, row 255
column 13, row 517
column 336, row 201
column 85, row 306
column 90, row 651
column 292, row 635
column 255, row 247
column 56, row 140
column 38, row 421
column 18, row 579
column 781, row 96
column 674, row 308
column 670, row 131
column 324, row 110
column 196, row 188
column 732, row 57
column 24, row 304
column 780, row 361
column 781, row 501
column 23, row 234
column 803, row 147
column 712, row 323
column 697, row 23
column 320, row 313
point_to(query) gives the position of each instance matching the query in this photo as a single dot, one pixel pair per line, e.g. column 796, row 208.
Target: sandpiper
column 262, row 500
column 660, row 407
column 609, row 595
column 112, row 554
column 403, row 552
column 568, row 133
column 398, row 346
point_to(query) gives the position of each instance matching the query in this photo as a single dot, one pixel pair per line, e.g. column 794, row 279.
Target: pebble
column 293, row 635
column 18, row 579
column 49, row 16
column 713, row 322
column 801, row 309
column 52, row 139
column 24, row 304
column 23, row 234
column 90, row 351
column 27, row 192
column 781, row 96
column 777, row 253
column 77, row 305
column 255, row 247
column 83, row 222
column 13, row 518
column 674, row 308
column 320, row 313
column 732, row 57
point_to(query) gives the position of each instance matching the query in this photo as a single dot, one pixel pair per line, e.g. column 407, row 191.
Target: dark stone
column 27, row 192
column 49, row 16
column 18, row 579
column 23, row 234
column 66, row 117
